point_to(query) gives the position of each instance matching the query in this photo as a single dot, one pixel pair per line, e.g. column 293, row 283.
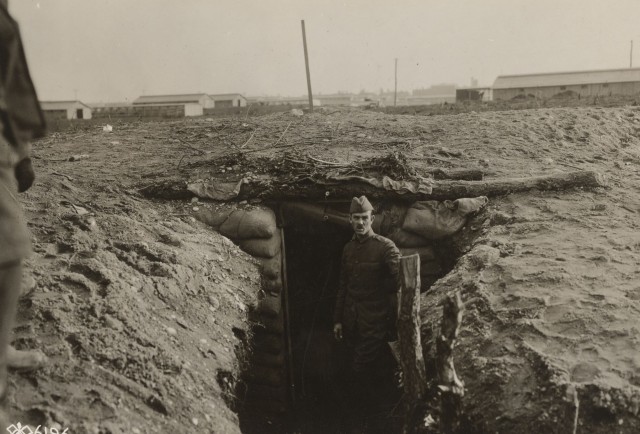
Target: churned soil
column 143, row 311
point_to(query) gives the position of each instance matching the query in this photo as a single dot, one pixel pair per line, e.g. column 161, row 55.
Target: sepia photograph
column 319, row 217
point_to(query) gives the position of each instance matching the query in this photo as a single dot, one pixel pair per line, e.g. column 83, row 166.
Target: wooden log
column 501, row 187
column 411, row 360
column 451, row 387
column 459, row 174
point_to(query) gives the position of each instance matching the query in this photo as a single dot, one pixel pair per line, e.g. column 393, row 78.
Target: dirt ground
column 142, row 310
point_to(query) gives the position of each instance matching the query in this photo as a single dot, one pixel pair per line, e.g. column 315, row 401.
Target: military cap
column 360, row 204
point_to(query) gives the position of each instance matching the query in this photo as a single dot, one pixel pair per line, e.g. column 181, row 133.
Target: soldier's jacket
column 367, row 290
column 21, row 121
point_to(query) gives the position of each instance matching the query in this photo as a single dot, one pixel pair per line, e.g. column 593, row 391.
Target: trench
column 293, row 378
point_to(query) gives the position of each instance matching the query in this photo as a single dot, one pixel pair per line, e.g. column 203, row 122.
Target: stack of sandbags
column 256, row 232
column 266, row 379
column 425, row 221
column 434, row 220
column 213, row 218
column 415, row 229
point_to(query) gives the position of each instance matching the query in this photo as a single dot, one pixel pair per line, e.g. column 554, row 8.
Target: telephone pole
column 631, row 55
column 306, row 64
column 395, row 89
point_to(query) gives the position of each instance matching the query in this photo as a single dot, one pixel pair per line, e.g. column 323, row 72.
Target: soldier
column 21, row 121
column 365, row 310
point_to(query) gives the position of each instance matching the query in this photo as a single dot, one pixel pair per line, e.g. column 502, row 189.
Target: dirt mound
column 142, row 313
column 120, row 303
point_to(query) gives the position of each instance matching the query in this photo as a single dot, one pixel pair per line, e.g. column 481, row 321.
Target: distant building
column 365, row 99
column 54, row 110
column 436, row 90
column 430, row 99
column 388, row 98
column 465, row 94
column 191, row 98
column 341, row 99
column 577, row 83
column 228, row 100
column 278, row 100
column 97, row 106
column 125, row 110
column 436, row 94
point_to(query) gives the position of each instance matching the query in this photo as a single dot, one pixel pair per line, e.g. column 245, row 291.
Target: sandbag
column 273, row 286
column 389, row 220
column 403, row 238
column 273, row 324
column 213, row 218
column 376, row 225
column 262, row 247
column 255, row 223
column 264, row 406
column 268, row 359
column 261, row 391
column 268, row 343
column 265, row 375
column 426, row 252
column 434, row 220
column 271, row 267
column 468, row 205
column 270, row 305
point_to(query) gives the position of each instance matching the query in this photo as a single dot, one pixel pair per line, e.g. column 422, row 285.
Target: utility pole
column 395, row 89
column 306, row 64
column 631, row 55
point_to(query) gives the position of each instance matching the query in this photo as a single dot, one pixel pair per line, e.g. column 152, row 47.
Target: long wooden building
column 606, row 82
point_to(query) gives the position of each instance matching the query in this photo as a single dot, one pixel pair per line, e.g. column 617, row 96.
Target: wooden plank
column 413, row 369
column 450, row 386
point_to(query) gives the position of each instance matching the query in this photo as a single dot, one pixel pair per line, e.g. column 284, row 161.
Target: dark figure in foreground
column 21, row 122
column 364, row 320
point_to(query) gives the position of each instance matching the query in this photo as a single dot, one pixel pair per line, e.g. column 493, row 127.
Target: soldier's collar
column 366, row 236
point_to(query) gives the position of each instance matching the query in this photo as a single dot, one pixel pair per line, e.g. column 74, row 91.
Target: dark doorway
column 323, row 395
column 79, row 114
column 314, row 250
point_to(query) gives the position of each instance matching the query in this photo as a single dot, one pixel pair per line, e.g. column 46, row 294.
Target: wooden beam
column 413, row 369
column 458, row 174
column 451, row 388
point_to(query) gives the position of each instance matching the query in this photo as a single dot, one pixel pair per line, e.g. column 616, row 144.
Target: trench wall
column 414, row 229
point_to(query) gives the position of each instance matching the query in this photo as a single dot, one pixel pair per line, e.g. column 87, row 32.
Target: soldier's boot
column 10, row 277
column 23, row 360
column 4, row 417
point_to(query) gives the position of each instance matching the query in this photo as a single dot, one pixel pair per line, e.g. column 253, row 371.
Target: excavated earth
column 142, row 310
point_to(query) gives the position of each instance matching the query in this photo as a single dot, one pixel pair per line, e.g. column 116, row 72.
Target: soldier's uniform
column 366, row 308
column 365, row 303
column 21, row 122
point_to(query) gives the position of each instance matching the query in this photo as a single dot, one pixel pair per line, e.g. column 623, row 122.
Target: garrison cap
column 360, row 204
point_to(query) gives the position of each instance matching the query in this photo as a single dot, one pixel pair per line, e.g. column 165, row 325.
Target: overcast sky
column 116, row 50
